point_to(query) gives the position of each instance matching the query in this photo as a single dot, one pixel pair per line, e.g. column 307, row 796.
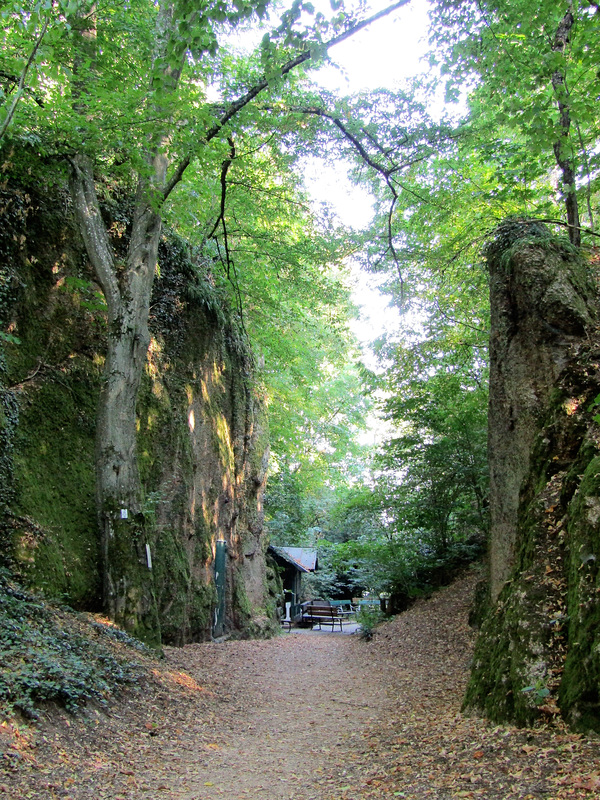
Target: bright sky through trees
column 380, row 56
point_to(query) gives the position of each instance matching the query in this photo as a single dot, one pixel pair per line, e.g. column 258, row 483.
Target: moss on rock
column 538, row 651
column 201, row 432
column 55, row 543
column 580, row 686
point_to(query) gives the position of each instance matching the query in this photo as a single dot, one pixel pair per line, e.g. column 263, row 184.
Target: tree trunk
column 128, row 585
column 127, row 577
column 562, row 147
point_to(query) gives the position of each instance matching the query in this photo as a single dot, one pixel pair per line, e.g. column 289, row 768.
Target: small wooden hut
column 294, row 562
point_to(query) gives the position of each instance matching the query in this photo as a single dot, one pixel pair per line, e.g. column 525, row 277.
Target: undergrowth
column 49, row 654
column 369, row 619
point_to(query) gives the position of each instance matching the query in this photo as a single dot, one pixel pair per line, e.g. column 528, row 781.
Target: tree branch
column 561, row 222
column 21, row 86
column 386, row 172
column 229, row 262
column 221, row 218
column 237, row 105
column 271, row 193
column 456, row 321
column 15, row 80
column 93, row 230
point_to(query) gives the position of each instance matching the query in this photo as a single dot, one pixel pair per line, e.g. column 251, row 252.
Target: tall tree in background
column 535, row 72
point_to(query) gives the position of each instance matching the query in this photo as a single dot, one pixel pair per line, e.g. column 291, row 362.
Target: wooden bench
column 322, row 613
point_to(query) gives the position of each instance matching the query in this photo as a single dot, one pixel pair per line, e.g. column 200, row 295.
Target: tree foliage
column 517, row 137
column 547, row 54
column 116, row 96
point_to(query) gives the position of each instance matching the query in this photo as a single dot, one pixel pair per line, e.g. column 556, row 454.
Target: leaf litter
column 304, row 716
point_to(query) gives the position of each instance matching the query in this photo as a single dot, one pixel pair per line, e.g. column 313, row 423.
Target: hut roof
column 303, row 558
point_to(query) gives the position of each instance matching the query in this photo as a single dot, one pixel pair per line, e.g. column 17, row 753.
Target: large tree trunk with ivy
column 538, row 650
column 128, row 586
column 127, row 287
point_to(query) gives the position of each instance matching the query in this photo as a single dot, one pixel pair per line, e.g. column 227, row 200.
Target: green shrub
column 368, row 618
column 49, row 654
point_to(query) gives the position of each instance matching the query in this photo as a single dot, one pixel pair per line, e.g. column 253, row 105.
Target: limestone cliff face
column 204, row 439
column 203, row 434
column 538, row 650
column 541, row 302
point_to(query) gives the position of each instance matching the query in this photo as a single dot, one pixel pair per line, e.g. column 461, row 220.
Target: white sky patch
column 328, row 183
column 353, row 205
column 383, row 54
column 377, row 315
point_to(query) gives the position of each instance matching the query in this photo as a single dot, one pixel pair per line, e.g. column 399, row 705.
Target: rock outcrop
column 538, row 652
column 203, row 434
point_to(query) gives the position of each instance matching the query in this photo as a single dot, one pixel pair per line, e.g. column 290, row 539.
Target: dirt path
column 299, row 709
column 308, row 716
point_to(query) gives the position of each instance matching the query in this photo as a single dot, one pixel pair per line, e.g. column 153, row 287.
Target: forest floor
column 304, row 716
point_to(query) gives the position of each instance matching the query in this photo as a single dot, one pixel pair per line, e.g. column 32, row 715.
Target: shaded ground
column 309, row 716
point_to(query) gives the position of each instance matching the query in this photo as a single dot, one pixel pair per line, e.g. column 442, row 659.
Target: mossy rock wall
column 203, row 437
column 204, row 445
column 541, row 301
column 52, row 375
column 538, row 652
